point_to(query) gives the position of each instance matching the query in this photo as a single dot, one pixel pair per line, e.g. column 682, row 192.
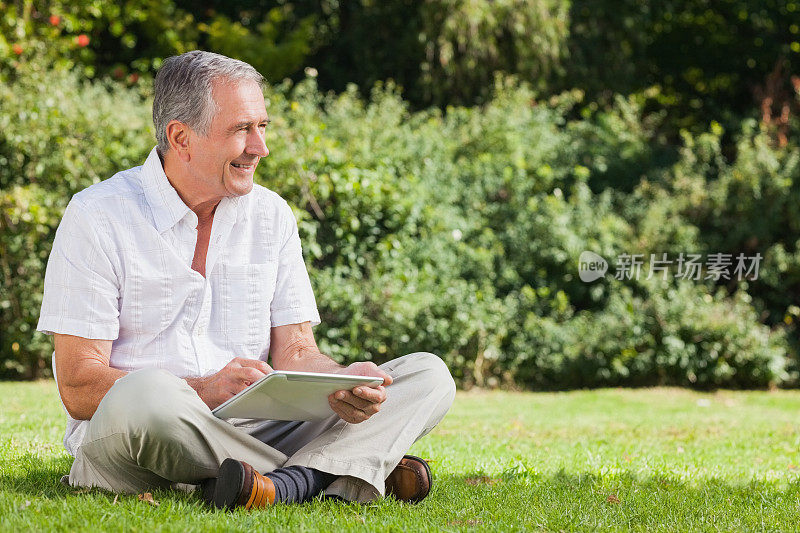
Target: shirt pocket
column 245, row 293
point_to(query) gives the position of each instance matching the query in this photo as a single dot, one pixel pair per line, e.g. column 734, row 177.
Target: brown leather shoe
column 410, row 481
column 238, row 485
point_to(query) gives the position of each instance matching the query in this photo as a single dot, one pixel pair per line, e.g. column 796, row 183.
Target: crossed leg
column 152, row 430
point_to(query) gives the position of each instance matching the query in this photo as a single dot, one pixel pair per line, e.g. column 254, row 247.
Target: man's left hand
column 363, row 401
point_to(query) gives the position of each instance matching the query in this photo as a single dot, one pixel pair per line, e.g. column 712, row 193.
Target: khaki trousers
column 152, row 430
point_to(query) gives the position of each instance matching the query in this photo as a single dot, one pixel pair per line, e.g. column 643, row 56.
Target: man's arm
column 293, row 347
column 84, row 376
column 83, row 372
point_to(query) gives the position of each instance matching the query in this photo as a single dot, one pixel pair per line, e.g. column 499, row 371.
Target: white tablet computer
column 287, row 395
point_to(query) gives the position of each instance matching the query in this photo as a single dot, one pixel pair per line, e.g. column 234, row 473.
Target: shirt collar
column 168, row 208
column 166, row 205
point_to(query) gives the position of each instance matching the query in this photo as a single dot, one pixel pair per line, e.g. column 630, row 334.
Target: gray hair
column 184, row 90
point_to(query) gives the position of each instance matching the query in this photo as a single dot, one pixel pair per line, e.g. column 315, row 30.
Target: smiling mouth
column 242, row 166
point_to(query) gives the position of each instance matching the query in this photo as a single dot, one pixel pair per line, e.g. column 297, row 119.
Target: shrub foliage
column 456, row 231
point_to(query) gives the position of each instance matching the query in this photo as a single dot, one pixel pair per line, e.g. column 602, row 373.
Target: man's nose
column 256, row 145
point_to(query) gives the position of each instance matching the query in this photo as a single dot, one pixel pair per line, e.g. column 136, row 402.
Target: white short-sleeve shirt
column 120, row 269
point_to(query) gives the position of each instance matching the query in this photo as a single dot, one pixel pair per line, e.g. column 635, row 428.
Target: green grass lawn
column 657, row 459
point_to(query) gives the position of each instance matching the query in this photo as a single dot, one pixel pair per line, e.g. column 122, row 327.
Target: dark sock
column 298, row 484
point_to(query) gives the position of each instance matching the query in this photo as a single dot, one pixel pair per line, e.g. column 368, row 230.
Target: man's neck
column 176, row 173
column 204, row 211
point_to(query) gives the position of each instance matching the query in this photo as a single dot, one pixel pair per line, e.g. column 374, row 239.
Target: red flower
column 82, row 40
column 54, row 20
column 17, row 49
column 133, row 78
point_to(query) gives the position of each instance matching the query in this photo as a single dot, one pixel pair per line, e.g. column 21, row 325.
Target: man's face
column 225, row 160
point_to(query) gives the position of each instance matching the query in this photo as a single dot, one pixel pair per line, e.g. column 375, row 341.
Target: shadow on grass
column 29, row 475
column 34, row 476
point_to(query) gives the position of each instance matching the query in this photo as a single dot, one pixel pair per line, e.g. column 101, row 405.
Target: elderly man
column 168, row 288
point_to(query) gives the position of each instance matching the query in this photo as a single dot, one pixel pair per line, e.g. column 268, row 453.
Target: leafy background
column 448, row 161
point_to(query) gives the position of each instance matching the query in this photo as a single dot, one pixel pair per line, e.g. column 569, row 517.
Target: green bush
column 679, row 335
column 487, row 210
column 58, row 135
column 740, row 204
column 28, row 217
column 63, row 133
column 455, row 232
column 119, row 38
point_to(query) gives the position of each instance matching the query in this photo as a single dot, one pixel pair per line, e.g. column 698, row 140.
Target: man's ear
column 178, row 138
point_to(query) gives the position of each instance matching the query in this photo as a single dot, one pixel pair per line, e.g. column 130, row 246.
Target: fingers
column 238, row 379
column 248, row 375
column 366, row 368
column 353, row 408
column 350, row 413
column 363, row 401
column 370, row 394
column 387, row 379
column 349, row 398
column 253, row 363
column 232, row 379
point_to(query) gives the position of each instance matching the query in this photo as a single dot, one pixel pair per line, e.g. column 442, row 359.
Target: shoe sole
column 229, row 484
column 208, row 487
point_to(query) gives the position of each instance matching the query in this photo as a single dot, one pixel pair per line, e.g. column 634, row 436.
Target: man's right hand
column 232, row 379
